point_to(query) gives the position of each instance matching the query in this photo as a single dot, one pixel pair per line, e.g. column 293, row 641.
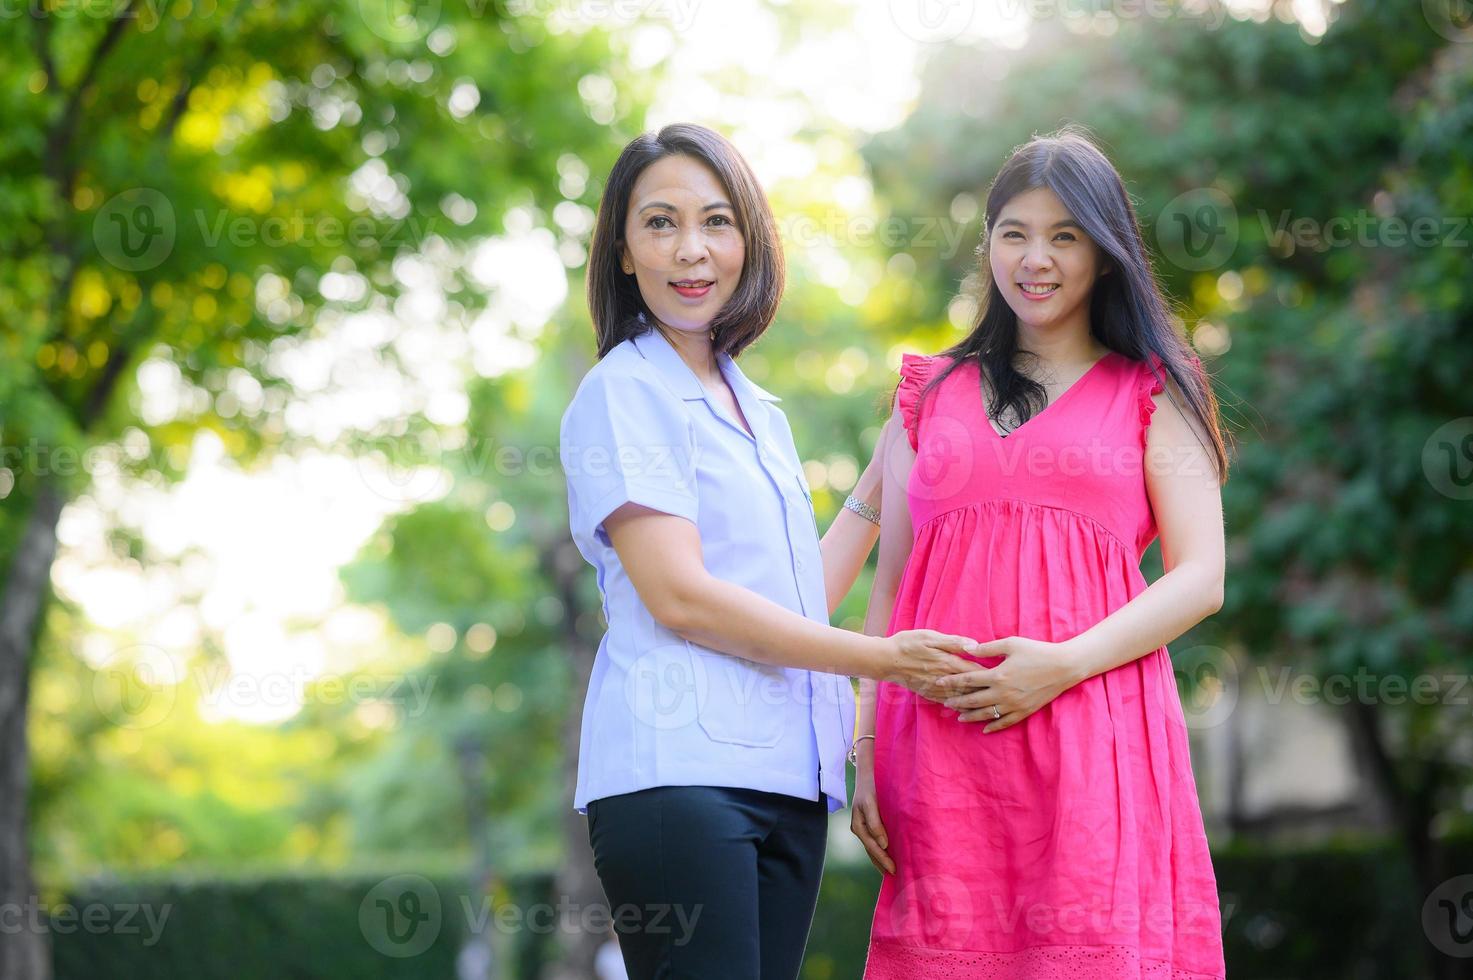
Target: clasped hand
column 1032, row 673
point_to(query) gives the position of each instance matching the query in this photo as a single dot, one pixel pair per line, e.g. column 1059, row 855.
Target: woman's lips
column 693, row 291
column 1036, row 297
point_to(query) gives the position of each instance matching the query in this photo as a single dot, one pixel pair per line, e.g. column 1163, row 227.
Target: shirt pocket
column 744, row 703
column 662, row 685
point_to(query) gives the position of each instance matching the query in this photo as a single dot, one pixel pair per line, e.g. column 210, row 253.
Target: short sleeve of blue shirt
column 626, row 439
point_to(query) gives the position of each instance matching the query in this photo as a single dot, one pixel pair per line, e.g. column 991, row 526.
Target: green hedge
column 1343, row 912
column 283, row 926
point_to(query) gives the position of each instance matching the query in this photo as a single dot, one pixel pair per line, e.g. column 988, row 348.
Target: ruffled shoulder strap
column 915, row 373
column 1152, row 376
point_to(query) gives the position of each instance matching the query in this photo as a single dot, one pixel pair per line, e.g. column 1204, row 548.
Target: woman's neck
column 1061, row 348
column 694, row 348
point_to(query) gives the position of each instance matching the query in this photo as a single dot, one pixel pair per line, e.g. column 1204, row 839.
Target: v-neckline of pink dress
column 1064, row 396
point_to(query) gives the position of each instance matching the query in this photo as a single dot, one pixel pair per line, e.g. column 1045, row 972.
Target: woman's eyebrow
column 713, row 206
column 1066, row 223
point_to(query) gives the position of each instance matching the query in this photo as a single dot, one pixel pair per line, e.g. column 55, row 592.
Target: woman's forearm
column 726, row 617
column 849, row 540
column 1167, row 608
column 662, row 556
column 895, row 548
column 876, row 619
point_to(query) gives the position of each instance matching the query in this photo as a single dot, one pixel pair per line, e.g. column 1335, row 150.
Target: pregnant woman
column 1046, row 825
column 719, row 712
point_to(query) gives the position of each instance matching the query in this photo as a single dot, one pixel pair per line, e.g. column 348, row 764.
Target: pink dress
column 1069, row 846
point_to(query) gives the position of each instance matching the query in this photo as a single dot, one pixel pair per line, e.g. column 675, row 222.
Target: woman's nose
column 1037, row 257
column 690, row 246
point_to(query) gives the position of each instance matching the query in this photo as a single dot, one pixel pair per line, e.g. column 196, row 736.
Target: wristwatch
column 862, row 509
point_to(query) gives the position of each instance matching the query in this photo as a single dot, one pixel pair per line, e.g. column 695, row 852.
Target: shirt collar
column 653, row 346
column 739, row 380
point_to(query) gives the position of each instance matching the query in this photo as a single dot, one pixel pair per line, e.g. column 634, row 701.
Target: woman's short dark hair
column 614, row 301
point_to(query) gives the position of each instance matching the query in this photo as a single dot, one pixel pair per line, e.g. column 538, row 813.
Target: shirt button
column 798, row 564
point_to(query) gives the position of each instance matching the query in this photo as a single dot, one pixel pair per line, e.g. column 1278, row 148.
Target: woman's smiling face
column 681, row 242
column 1043, row 263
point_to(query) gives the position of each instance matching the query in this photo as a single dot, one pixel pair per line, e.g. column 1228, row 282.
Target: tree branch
column 57, row 164
column 59, row 141
column 180, row 101
column 41, row 41
column 96, row 400
column 118, row 356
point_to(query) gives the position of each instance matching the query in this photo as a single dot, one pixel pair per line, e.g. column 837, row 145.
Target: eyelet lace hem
column 903, row 962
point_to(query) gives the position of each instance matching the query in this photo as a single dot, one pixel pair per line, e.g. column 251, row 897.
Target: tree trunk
column 25, row 953
column 1412, row 802
column 577, row 882
column 478, row 954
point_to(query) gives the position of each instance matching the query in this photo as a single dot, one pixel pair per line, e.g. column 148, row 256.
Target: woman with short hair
column 719, row 712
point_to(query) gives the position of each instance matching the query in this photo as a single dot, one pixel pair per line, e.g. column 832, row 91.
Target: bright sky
column 261, row 551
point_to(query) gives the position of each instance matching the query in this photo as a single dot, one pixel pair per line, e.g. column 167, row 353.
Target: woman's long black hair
column 1127, row 311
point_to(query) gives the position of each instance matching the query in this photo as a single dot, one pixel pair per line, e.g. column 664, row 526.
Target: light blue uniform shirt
column 662, row 711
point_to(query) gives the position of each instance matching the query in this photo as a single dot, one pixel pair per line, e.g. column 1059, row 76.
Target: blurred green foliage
column 177, row 185
column 1338, row 366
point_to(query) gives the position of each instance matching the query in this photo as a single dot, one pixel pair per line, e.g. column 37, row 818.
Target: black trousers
column 709, row 882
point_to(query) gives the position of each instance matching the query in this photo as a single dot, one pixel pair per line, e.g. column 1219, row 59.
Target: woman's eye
column 720, row 219
column 1067, row 236
column 656, row 222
